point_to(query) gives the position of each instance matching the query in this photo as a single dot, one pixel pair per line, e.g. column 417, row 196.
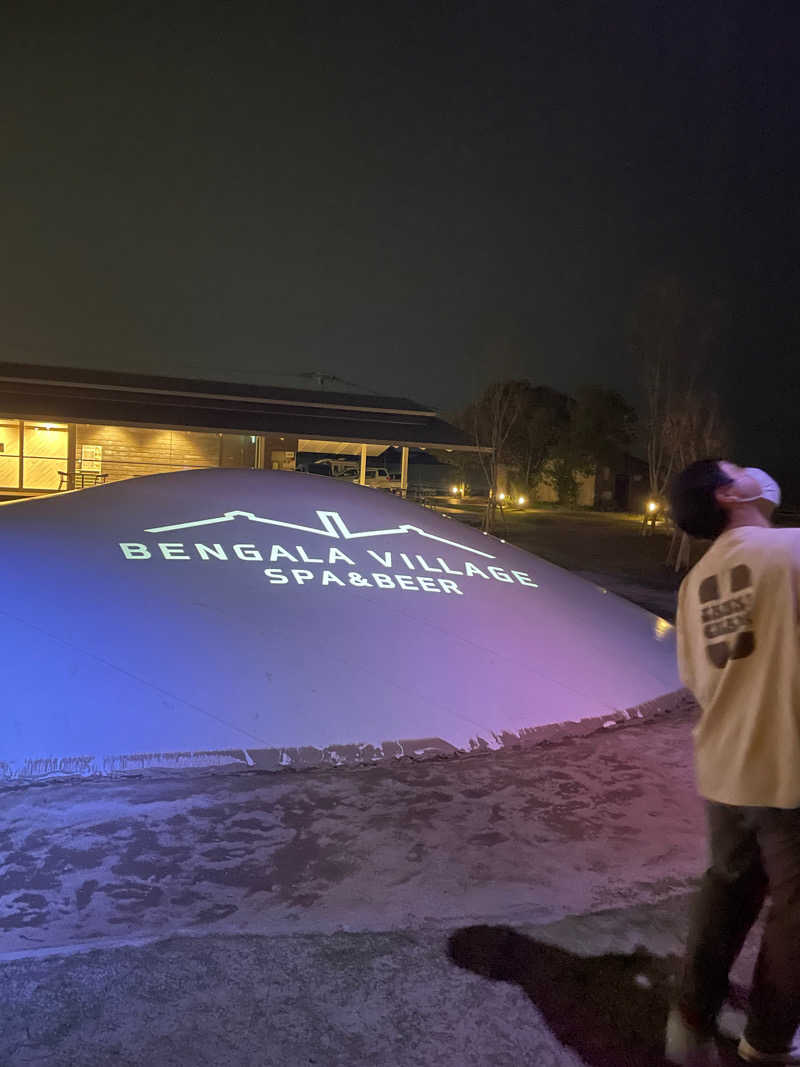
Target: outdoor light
column 521, row 501
column 454, row 489
column 652, row 505
column 501, row 496
column 661, row 629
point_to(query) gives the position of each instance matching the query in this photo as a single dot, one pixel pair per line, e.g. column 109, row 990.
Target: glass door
column 44, row 450
column 9, row 453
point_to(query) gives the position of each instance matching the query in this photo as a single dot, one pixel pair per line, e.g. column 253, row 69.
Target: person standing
column 738, row 642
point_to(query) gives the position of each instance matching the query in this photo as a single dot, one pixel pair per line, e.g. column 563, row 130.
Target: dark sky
column 417, row 198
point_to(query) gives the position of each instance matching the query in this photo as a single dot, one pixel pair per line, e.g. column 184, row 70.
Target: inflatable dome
column 276, row 618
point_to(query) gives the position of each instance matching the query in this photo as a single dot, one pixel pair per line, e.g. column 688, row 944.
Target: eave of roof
column 72, row 401
column 23, row 374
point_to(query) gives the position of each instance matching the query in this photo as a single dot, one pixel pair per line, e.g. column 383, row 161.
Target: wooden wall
column 128, row 451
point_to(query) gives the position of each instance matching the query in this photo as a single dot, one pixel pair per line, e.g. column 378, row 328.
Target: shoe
column 688, row 1047
column 752, row 1055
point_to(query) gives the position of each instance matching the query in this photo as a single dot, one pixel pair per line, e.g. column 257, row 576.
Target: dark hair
column 694, row 503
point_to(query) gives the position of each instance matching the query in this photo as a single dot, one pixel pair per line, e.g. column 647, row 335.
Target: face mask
column 769, row 488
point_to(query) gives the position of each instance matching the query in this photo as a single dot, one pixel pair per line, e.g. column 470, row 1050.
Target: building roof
column 77, row 395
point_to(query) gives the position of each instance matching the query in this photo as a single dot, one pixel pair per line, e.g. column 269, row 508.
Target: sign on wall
column 92, row 458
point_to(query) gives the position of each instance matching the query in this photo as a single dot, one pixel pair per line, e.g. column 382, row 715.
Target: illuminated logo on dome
column 333, row 525
column 404, row 571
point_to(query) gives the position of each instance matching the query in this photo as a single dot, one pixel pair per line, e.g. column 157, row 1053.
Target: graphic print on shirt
column 727, row 616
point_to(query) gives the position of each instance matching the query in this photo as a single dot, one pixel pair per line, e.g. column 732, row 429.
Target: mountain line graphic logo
column 333, row 526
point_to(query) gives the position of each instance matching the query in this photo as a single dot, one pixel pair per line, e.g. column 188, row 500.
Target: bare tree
column 697, row 431
column 696, row 427
column 656, row 341
column 491, row 421
column 672, row 337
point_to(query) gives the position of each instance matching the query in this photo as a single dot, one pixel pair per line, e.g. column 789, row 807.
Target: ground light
column 651, row 516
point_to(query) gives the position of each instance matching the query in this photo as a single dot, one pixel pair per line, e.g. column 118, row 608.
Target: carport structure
column 63, row 428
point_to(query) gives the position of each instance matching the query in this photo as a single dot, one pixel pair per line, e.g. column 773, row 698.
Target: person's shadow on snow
column 611, row 1010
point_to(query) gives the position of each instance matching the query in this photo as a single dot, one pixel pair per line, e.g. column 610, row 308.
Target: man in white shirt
column 738, row 644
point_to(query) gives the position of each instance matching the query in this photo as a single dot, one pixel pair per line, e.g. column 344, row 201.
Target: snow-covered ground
column 291, row 918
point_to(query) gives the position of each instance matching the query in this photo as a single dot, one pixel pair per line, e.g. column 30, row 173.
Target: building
column 544, row 492
column 64, row 428
column 624, row 484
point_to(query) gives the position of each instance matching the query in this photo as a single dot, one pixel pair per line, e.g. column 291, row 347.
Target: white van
column 379, row 478
column 334, row 468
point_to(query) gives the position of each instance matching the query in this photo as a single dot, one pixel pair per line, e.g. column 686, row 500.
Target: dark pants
column 754, row 852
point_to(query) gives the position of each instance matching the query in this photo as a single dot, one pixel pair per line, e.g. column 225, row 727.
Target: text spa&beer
column 282, row 575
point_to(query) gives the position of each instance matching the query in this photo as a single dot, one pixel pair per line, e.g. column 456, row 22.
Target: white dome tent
column 272, row 618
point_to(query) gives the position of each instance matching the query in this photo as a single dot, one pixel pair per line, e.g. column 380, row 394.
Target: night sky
column 415, row 198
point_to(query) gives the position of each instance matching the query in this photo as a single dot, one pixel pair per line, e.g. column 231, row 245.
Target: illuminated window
column 9, row 453
column 44, row 452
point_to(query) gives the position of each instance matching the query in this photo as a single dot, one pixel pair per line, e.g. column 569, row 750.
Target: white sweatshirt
column 738, row 645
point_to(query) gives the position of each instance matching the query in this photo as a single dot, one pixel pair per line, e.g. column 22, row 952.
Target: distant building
column 545, row 493
column 620, row 485
column 63, row 428
column 624, row 484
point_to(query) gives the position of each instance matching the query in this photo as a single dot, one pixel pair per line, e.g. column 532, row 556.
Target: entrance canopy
column 277, row 618
column 339, row 448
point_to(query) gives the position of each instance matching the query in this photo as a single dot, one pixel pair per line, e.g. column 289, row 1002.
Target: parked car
column 334, row 468
column 379, row 478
